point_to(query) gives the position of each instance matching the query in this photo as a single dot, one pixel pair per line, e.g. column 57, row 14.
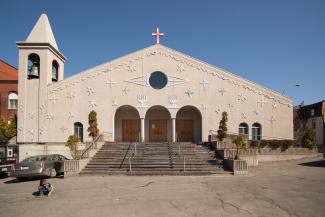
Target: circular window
column 158, row 80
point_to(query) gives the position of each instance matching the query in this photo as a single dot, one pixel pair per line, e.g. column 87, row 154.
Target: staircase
column 154, row 159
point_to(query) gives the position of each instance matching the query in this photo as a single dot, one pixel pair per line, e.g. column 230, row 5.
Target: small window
column 55, row 70
column 78, row 130
column 12, row 100
column 312, row 112
column 158, row 80
column 33, row 66
column 313, row 123
column 243, row 129
column 256, row 131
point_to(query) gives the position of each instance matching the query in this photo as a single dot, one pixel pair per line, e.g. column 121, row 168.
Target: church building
column 156, row 94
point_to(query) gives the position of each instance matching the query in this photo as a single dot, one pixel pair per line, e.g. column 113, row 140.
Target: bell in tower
column 33, row 66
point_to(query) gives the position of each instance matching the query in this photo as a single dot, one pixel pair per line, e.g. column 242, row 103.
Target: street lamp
column 292, row 85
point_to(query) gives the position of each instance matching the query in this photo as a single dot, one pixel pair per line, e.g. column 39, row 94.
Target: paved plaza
column 290, row 188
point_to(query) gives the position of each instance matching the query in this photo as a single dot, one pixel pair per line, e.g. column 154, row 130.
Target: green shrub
column 222, row 132
column 309, row 139
column 72, row 143
column 239, row 142
column 92, row 120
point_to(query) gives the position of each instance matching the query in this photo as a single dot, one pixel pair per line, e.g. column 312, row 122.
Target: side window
column 12, row 100
column 55, row 71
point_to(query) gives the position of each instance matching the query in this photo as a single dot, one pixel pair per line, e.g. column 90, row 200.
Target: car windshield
column 36, row 158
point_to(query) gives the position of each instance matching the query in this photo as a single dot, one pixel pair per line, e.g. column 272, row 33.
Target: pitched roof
column 42, row 32
column 7, row 72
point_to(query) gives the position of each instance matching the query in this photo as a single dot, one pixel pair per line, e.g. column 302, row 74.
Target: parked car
column 39, row 166
column 6, row 164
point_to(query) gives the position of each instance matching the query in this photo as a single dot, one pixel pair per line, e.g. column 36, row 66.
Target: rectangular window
column 313, row 123
column 312, row 112
column 13, row 104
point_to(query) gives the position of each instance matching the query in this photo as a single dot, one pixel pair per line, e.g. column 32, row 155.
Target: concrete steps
column 154, row 159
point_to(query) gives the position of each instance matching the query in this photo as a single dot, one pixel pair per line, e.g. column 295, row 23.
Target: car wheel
column 52, row 173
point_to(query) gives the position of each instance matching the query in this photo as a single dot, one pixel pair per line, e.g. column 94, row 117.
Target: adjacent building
column 8, row 90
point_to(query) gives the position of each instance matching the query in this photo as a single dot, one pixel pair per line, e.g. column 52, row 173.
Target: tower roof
column 42, row 32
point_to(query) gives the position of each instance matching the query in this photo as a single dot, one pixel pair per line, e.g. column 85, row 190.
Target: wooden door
column 157, row 130
column 184, row 130
column 130, row 130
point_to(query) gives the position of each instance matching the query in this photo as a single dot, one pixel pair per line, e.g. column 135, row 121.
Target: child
column 45, row 188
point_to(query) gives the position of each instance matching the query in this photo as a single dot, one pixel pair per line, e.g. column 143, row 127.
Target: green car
column 39, row 166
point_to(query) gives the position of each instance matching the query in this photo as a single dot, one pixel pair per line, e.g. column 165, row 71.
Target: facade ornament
column 241, row 98
column 41, row 108
column 189, row 92
column 92, row 103
column 71, row 94
column 131, row 68
column 49, row 117
column 261, row 102
column 41, row 131
column 31, row 132
column 256, row 112
column 126, row 90
column 274, row 106
column 180, row 68
column 217, row 111
column 230, row 105
column 142, row 99
column 71, row 115
column 243, row 116
column 173, row 80
column 172, row 102
column 110, row 83
column 272, row 120
column 204, row 107
column 31, row 115
column 90, row 91
column 114, row 103
column 222, row 91
column 53, row 99
column 142, row 81
column 204, row 83
column 63, row 129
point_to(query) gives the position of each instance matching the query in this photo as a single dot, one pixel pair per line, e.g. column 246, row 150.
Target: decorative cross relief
column 275, row 106
column 256, row 112
column 172, row 102
column 92, row 103
column 53, row 98
column 126, row 90
column 243, row 116
column 142, row 99
column 41, row 108
column 262, row 101
column 110, row 83
column 21, row 107
column 114, row 103
column 189, row 92
column 71, row 94
column 71, row 115
column 90, row 91
column 31, row 115
column 131, row 68
column 41, row 131
column 222, row 91
column 204, row 107
column 49, row 117
column 230, row 105
column 217, row 111
column 180, row 68
column 63, row 129
column 272, row 120
column 204, row 83
column 241, row 98
column 31, row 132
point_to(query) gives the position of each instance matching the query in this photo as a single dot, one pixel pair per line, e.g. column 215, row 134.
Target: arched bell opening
column 33, row 67
column 55, row 71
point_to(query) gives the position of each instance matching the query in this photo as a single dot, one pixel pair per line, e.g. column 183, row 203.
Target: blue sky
column 275, row 43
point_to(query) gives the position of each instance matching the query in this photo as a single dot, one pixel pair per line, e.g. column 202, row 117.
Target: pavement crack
column 146, row 185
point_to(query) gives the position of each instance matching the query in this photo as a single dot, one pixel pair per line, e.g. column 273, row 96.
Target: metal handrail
column 93, row 144
column 134, row 152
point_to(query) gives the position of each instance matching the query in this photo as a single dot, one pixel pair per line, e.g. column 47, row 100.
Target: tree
column 3, row 125
column 72, row 143
column 309, row 139
column 11, row 129
column 239, row 142
column 92, row 120
column 222, row 132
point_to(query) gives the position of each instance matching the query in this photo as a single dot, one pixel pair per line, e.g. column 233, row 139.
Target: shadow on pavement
column 319, row 163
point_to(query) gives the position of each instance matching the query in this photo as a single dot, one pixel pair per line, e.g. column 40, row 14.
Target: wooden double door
column 130, row 130
column 157, row 130
column 184, row 130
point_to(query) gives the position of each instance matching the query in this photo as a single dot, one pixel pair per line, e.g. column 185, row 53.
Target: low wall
column 28, row 150
column 74, row 166
column 239, row 167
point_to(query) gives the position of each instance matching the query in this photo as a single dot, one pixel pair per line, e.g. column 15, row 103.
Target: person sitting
column 45, row 188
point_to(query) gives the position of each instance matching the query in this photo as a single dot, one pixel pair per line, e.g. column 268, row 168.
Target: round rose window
column 158, row 80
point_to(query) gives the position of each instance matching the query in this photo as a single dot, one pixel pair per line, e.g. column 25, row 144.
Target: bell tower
column 40, row 64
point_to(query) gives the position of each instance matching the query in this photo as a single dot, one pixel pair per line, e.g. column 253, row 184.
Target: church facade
column 154, row 94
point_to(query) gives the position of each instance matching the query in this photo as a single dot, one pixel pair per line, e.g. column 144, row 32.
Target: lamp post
column 291, row 85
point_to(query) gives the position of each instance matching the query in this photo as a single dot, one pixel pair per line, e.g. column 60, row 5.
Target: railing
column 181, row 153
column 132, row 155
column 92, row 145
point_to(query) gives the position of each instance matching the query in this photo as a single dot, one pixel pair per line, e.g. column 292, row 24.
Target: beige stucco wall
column 71, row 100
